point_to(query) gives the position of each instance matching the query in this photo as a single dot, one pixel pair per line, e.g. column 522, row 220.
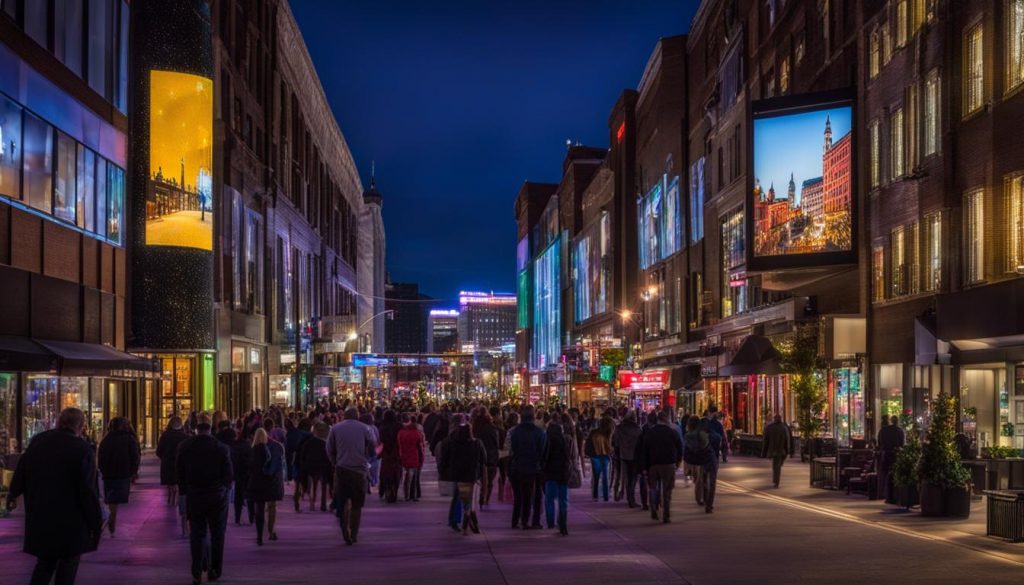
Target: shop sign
column 709, row 368
column 653, row 380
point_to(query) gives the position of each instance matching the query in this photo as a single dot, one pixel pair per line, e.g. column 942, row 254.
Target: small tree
column 940, row 461
column 806, row 382
column 904, row 469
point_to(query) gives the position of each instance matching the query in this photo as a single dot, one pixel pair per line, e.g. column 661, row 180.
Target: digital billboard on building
column 802, row 209
column 179, row 195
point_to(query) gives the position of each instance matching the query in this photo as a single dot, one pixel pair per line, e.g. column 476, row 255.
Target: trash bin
column 1004, row 517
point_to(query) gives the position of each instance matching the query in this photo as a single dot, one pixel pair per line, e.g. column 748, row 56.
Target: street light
column 354, row 334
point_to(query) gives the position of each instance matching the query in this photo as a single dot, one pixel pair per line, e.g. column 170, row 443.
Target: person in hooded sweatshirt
column 555, row 465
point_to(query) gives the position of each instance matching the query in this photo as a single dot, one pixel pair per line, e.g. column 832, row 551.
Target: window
column 878, row 273
column 697, row 200
column 10, row 148
column 933, row 252
column 1013, row 210
column 36, row 15
column 974, row 69
column 913, row 125
column 101, row 196
column 902, row 22
column 784, row 76
column 735, row 157
column 101, row 46
column 914, row 277
column 886, row 42
column 67, row 33
column 64, row 179
column 115, row 206
column 931, row 113
column 734, row 291
column 38, row 162
column 896, row 145
column 876, row 147
column 974, row 237
column 86, row 189
column 898, row 264
column 1014, row 43
column 875, row 55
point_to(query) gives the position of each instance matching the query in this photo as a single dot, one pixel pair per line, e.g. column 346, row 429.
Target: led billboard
column 179, row 193
column 659, row 226
column 801, row 209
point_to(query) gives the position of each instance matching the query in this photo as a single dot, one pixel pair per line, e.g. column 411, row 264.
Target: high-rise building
column 486, row 320
column 405, row 329
column 443, row 331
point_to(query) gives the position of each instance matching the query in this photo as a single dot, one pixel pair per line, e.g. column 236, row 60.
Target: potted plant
column 904, row 471
column 944, row 481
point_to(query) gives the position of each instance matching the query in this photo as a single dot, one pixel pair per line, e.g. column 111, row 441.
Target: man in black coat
column 205, row 476
column 57, row 476
column 241, row 459
column 890, row 440
column 663, row 452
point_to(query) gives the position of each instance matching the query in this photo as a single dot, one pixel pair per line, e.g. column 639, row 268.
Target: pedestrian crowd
column 336, row 453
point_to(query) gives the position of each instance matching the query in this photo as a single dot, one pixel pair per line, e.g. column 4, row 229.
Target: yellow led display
column 179, row 193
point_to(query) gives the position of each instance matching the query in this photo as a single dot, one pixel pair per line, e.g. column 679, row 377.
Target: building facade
column 407, row 310
column 443, row 331
column 486, row 321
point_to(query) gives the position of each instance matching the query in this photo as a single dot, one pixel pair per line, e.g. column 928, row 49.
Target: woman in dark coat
column 390, row 462
column 316, row 467
column 118, row 464
column 167, row 451
column 266, row 482
column 555, row 469
column 488, row 434
column 464, row 460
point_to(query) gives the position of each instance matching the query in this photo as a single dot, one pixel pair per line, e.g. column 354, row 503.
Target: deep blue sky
column 461, row 101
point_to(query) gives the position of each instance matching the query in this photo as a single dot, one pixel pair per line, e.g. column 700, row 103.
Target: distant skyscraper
column 443, row 331
column 486, row 320
column 406, row 329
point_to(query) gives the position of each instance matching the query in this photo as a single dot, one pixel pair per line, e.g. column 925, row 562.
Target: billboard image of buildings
column 179, row 193
column 802, row 198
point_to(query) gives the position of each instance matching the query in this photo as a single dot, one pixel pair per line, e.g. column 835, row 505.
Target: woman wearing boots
column 465, row 460
column 266, row 482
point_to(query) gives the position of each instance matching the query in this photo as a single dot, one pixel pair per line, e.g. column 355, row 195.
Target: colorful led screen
column 802, row 196
column 547, row 303
column 179, row 194
column 659, row 230
column 591, row 262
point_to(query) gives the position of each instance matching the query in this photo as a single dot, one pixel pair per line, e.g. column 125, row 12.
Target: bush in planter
column 944, row 480
column 904, row 470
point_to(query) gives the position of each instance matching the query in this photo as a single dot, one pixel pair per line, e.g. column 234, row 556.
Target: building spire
column 828, row 132
column 373, row 174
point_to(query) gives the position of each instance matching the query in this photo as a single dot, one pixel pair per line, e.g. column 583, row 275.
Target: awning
column 695, row 386
column 21, row 354
column 756, row 355
column 93, row 359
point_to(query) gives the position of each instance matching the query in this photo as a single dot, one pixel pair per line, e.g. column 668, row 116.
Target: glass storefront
column 984, row 400
column 8, row 413
column 848, row 404
column 175, row 386
column 889, row 381
column 40, row 406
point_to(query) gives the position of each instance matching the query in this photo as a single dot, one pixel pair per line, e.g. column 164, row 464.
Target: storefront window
column 10, row 148
column 95, row 413
column 849, row 405
column 40, row 407
column 101, row 196
column 979, row 389
column 889, row 378
column 280, row 389
column 38, row 163
column 64, row 187
column 175, row 387
column 8, row 413
column 86, row 189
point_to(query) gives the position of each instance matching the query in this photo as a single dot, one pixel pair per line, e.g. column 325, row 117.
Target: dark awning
column 756, row 355
column 21, row 354
column 683, row 376
column 93, row 359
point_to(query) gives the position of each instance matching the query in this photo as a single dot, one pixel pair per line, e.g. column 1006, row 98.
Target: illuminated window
column 38, row 163
column 101, row 196
column 798, row 53
column 784, row 76
column 902, row 23
column 931, row 113
column 10, row 148
column 974, row 69
column 1014, row 43
column 913, row 125
column 876, row 147
column 898, row 264
column 697, row 200
column 878, row 273
column 1013, row 210
column 886, row 42
column 86, row 189
column 896, row 144
column 974, row 236
column 933, row 252
column 115, row 203
column 875, row 55
column 64, row 179
column 734, row 290
column 919, row 15
column 914, row 276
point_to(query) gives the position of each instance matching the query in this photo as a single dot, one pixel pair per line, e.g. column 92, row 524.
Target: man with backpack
column 662, row 454
column 699, row 452
column 714, row 425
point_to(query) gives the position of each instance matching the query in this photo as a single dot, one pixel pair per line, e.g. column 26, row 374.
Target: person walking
column 714, row 426
column 119, row 459
column 295, row 435
column 505, row 455
column 526, row 445
column 662, row 455
column 624, row 442
column 488, row 434
column 350, row 444
column 204, row 476
column 891, row 439
column 555, row 466
column 390, row 462
column 599, row 447
column 266, row 482
column 167, row 451
column 777, row 439
column 464, row 458
column 411, row 446
column 699, row 453
column 241, row 457
column 57, row 477
column 316, row 467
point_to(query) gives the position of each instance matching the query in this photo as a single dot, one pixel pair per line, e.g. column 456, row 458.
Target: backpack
column 588, row 448
column 696, row 454
column 274, row 464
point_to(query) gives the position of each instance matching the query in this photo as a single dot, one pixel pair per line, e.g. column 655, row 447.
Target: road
column 792, row 535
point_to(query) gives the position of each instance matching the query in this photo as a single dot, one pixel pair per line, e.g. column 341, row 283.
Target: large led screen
column 591, row 260
column 547, row 303
column 659, row 229
column 179, row 194
column 801, row 207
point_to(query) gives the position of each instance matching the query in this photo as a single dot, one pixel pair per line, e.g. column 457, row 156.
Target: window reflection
column 38, row 161
column 10, row 148
column 64, row 187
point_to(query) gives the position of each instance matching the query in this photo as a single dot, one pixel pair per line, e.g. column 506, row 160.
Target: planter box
column 933, row 502
column 907, row 496
column 1004, row 515
column 958, row 502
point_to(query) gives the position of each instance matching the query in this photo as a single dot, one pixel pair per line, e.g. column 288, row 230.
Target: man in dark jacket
column 647, row 491
column 777, row 439
column 890, row 439
column 662, row 454
column 714, row 425
column 241, row 459
column 556, row 463
column 526, row 444
column 57, row 476
column 205, row 476
column 624, row 442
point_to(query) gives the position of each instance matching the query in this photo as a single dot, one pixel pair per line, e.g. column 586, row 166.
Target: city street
column 791, row 535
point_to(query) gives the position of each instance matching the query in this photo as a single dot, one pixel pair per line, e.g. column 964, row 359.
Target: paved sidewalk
column 797, row 535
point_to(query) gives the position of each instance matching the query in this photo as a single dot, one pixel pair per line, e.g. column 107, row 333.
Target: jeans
column 410, row 481
column 207, row 513
column 599, row 474
column 662, row 480
column 706, row 482
column 525, row 498
column 66, row 568
column 617, row 479
column 630, row 474
column 552, row 490
column 777, row 461
column 455, row 508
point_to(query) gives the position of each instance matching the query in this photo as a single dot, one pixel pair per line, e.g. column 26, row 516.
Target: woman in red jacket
column 411, row 446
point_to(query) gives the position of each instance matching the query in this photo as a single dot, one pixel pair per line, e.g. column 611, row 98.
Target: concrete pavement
column 791, row 535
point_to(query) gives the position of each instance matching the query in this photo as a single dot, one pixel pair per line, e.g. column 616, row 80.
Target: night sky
column 459, row 102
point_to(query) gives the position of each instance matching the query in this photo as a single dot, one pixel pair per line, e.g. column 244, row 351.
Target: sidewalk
column 752, row 476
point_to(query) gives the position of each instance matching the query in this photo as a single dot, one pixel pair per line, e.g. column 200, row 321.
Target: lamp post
column 354, row 334
column 640, row 320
